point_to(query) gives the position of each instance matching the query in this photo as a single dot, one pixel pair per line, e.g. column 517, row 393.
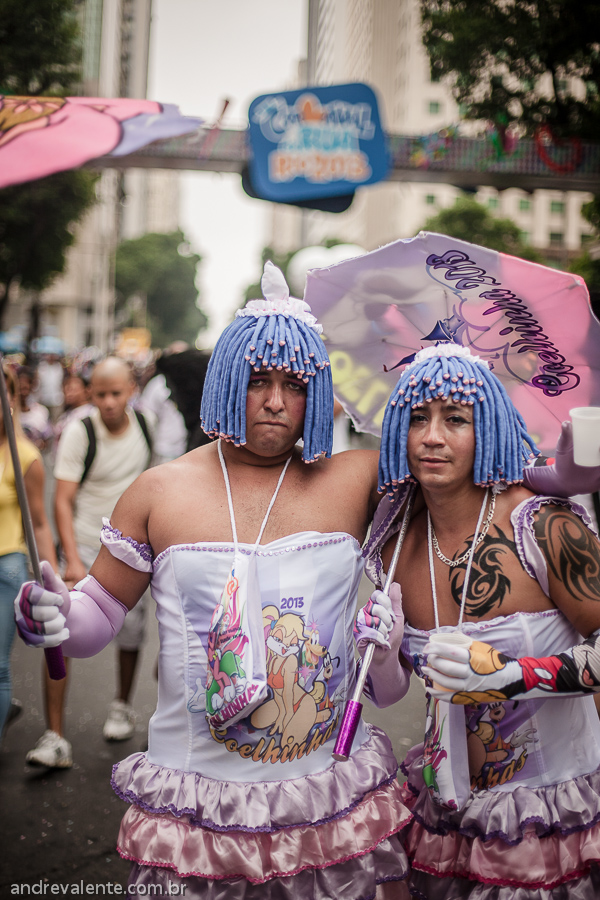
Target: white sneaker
column 51, row 750
column 120, row 723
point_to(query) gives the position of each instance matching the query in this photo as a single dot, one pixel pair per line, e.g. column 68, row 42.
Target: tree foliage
column 161, row 269
column 36, row 229
column 532, row 62
column 40, row 54
column 39, row 47
column 470, row 221
column 585, row 264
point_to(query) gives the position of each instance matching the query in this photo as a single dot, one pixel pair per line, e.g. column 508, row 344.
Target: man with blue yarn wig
column 505, row 631
column 248, row 543
column 448, row 371
column 277, row 334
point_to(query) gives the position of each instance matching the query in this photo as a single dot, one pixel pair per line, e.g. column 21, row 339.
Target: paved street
column 60, row 826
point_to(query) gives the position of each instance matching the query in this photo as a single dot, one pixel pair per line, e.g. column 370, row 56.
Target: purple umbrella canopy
column 532, row 324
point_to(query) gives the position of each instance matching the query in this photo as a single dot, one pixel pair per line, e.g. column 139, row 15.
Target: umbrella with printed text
column 531, row 323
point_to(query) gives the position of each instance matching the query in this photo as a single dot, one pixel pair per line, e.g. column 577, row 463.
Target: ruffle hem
column 167, row 842
column 425, row 887
column 329, row 834
column 567, row 807
column 357, row 879
column 533, row 840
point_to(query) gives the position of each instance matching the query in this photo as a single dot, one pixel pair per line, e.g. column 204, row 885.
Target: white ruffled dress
column 231, row 815
column 530, row 829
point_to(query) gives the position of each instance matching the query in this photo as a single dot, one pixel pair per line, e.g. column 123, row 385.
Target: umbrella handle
column 351, row 717
column 54, row 656
column 55, row 663
column 348, row 728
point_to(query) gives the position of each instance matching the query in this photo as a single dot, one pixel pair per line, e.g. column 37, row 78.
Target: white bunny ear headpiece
column 278, row 332
column 277, row 300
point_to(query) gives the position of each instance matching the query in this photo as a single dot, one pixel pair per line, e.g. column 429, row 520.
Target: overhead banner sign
column 316, row 142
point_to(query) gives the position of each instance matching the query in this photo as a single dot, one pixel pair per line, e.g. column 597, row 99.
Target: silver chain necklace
column 461, row 559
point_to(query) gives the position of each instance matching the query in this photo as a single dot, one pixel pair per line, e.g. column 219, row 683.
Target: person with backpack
column 97, row 458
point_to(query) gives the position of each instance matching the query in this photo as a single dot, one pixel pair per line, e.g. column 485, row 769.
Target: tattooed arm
column 572, row 555
column 480, row 674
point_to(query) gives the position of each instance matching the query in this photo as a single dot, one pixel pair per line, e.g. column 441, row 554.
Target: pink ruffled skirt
column 527, row 844
column 334, row 834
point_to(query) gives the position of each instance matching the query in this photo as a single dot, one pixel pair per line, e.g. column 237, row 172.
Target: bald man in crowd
column 97, row 459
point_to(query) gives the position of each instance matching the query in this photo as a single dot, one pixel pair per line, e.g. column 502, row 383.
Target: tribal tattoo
column 488, row 585
column 571, row 551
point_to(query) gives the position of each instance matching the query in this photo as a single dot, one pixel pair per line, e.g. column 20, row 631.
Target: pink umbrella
column 534, row 326
column 43, row 135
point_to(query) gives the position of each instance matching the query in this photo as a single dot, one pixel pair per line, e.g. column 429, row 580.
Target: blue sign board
column 316, row 142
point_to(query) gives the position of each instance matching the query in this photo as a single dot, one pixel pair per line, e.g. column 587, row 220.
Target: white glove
column 388, row 680
column 471, row 675
column 374, row 622
column 40, row 612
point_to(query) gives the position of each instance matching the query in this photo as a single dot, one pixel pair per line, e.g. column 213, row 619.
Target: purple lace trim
column 544, row 831
column 473, row 628
column 259, row 806
column 144, row 550
column 131, row 797
column 524, row 520
column 229, row 548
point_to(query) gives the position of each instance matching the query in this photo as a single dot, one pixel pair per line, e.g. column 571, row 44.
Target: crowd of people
column 91, row 425
column 253, row 546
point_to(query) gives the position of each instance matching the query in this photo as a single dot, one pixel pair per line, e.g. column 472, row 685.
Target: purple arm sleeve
column 93, row 620
column 562, row 478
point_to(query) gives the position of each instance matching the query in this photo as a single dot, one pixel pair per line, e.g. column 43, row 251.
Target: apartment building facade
column 379, row 42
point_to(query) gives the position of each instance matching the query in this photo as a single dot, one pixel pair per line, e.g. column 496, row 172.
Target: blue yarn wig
column 280, row 333
column 502, row 444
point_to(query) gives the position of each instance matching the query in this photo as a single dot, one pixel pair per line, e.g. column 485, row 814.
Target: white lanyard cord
column 469, row 564
column 230, row 501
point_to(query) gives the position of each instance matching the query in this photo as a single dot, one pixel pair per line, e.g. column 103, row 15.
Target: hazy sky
column 203, row 51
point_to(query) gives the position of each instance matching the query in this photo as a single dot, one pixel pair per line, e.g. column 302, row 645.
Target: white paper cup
column 586, row 435
column 451, row 637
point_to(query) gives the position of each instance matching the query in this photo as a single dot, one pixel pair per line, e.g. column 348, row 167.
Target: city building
column 79, row 305
column 379, row 42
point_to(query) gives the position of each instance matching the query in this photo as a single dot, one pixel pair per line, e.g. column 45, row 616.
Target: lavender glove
column 562, row 478
column 40, row 612
column 86, row 619
column 94, row 619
